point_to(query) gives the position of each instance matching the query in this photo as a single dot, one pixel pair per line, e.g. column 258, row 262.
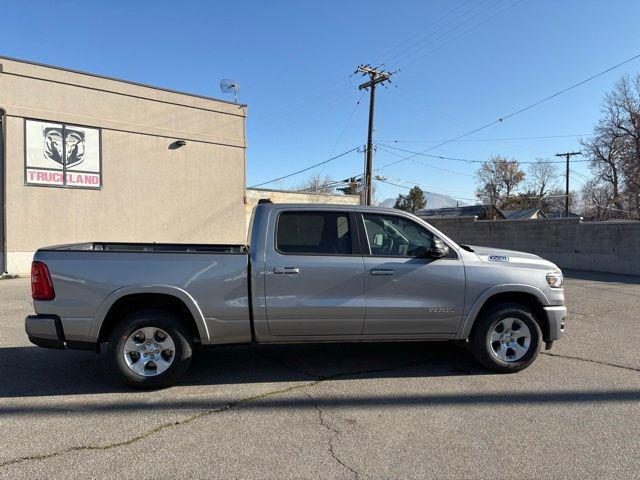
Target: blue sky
column 463, row 63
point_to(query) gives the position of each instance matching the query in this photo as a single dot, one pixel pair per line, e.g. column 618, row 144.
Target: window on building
column 321, row 233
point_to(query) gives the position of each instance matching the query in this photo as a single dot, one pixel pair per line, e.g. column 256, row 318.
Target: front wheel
column 507, row 338
column 150, row 349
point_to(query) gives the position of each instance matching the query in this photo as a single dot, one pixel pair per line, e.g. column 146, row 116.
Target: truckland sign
column 62, row 155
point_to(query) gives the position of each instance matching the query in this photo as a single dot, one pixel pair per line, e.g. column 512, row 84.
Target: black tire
column 481, row 345
column 158, row 319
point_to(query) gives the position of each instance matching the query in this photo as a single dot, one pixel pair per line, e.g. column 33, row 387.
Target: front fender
column 471, row 315
column 176, row 292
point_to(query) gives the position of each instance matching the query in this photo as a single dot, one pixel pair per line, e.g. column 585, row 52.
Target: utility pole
column 375, row 77
column 566, row 192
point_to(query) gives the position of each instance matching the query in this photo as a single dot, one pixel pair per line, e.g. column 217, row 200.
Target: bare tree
column 542, row 177
column 597, row 200
column 318, row 184
column 497, row 180
column 604, row 152
column 554, row 200
column 614, row 150
column 622, row 118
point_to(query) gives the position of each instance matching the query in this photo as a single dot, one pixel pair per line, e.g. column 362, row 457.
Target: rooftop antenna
column 229, row 86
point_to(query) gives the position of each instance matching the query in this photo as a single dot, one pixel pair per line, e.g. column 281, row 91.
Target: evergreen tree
column 411, row 202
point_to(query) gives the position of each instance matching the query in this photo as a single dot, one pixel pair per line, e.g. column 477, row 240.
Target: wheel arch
column 134, row 298
column 526, row 295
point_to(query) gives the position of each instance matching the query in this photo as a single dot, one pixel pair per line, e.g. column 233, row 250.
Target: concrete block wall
column 612, row 247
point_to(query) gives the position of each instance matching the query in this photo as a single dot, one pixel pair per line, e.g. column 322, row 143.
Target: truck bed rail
column 150, row 247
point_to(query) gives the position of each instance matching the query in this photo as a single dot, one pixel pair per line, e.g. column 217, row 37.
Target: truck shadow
column 35, row 372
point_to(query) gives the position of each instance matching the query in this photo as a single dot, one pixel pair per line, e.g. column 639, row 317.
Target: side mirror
column 438, row 249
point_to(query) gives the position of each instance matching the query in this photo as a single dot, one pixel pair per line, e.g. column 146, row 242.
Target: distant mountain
column 434, row 200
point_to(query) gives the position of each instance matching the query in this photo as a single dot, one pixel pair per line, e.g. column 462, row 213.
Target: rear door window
column 314, row 233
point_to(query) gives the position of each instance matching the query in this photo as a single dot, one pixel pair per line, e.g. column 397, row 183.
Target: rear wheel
column 150, row 349
column 507, row 338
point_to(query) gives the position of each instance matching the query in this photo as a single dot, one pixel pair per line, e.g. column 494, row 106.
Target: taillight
column 41, row 285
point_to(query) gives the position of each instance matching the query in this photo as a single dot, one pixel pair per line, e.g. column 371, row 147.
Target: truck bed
column 88, row 278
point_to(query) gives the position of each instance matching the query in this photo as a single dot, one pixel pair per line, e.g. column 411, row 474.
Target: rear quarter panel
column 87, row 283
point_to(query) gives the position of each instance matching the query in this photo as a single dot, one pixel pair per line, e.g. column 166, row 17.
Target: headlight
column 555, row 279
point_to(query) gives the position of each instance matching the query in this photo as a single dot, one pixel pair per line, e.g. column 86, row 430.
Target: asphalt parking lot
column 391, row 410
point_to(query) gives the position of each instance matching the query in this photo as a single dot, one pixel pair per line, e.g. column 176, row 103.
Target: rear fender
column 176, row 292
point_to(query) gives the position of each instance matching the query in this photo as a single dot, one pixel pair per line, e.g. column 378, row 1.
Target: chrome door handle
column 286, row 270
column 382, row 271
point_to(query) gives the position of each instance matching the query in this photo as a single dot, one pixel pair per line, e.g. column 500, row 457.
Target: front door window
column 393, row 236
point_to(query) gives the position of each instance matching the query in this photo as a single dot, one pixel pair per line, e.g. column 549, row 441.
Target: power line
column 305, row 100
column 417, row 34
column 466, row 160
column 424, row 164
column 573, row 135
column 517, row 112
column 463, row 33
column 408, row 56
column 421, row 185
column 321, row 95
column 476, row 5
column 577, row 180
column 330, row 153
column 440, row 114
column 408, row 187
column 277, row 116
column 304, row 122
column 330, row 184
column 346, row 125
column 305, row 169
column 441, row 168
column 580, row 174
column 413, row 182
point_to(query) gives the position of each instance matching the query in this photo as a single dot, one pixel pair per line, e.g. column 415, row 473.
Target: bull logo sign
column 68, row 151
column 62, row 155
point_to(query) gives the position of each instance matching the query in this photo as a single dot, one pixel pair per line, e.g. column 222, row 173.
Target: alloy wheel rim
column 510, row 339
column 149, row 351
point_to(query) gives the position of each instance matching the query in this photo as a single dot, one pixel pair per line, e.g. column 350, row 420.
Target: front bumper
column 556, row 317
column 46, row 331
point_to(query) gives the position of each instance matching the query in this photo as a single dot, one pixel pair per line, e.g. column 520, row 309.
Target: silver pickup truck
column 310, row 273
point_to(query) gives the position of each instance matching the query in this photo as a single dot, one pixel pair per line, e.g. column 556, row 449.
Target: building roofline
column 300, row 192
column 116, row 79
column 332, row 206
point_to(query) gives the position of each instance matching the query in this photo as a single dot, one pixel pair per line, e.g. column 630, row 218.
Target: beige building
column 85, row 157
column 254, row 195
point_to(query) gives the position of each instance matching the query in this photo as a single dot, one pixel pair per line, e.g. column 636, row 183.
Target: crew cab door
column 314, row 279
column 406, row 291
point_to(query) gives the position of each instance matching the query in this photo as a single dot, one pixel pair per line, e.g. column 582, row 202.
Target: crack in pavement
column 287, row 366
column 158, row 429
column 581, row 359
column 335, row 433
column 204, row 413
column 589, row 315
column 318, row 379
